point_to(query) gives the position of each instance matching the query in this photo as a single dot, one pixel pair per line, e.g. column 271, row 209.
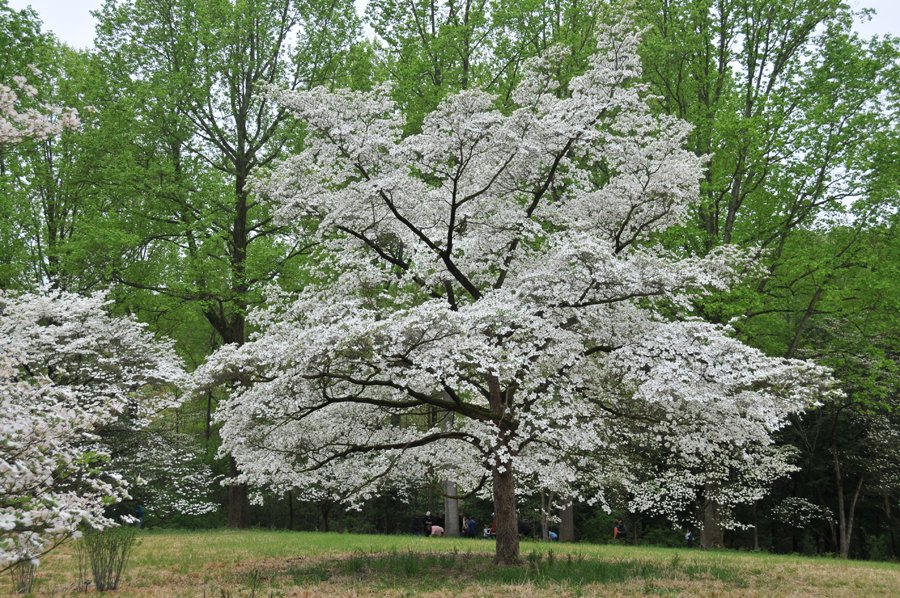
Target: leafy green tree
column 200, row 68
column 798, row 117
column 21, row 43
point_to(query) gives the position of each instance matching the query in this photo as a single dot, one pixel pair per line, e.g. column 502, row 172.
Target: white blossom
column 21, row 120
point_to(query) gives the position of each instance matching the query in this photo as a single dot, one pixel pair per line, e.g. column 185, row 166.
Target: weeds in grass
column 675, row 562
column 253, row 580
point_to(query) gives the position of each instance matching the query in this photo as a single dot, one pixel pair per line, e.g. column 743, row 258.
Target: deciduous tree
column 495, row 266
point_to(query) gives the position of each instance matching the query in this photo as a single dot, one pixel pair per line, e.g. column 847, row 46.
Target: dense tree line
column 158, row 199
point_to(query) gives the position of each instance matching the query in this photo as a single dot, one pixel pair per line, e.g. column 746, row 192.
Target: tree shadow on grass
column 459, row 569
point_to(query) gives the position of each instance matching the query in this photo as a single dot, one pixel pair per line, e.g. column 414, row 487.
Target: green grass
column 272, row 563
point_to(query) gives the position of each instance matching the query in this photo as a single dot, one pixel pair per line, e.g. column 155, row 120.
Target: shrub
column 22, row 574
column 107, row 551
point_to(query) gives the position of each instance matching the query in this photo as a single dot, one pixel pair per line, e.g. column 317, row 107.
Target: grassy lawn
column 264, row 564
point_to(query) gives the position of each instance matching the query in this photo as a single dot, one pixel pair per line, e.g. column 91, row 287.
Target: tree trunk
column 290, row 501
column 713, row 534
column 845, row 512
column 507, row 552
column 451, row 509
column 325, row 509
column 890, row 524
column 207, row 432
column 451, row 498
column 845, row 518
column 755, row 527
column 567, row 524
column 238, row 501
column 546, row 505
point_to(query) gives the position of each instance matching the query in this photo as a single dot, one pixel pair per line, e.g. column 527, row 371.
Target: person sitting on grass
column 437, row 530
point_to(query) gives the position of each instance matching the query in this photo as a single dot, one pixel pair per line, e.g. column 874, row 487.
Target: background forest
column 153, row 201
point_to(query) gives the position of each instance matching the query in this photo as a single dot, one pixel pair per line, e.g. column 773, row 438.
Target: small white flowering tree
column 67, row 370
column 166, row 473
column 699, row 425
column 497, row 266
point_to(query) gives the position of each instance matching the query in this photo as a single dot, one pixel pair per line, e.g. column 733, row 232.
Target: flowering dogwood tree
column 700, row 423
column 497, row 266
column 67, row 370
column 164, row 470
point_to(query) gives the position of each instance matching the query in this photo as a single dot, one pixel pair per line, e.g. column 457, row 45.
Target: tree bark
column 325, row 509
column 567, row 524
column 713, row 534
column 546, row 505
column 238, row 501
column 845, row 512
column 451, row 509
column 451, row 497
column 890, row 524
column 845, row 517
column 507, row 552
column 755, row 527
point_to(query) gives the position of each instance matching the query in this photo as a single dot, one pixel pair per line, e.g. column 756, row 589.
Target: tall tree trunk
column 290, row 501
column 890, row 524
column 755, row 527
column 713, row 534
column 507, row 552
column 567, row 524
column 451, row 509
column 238, row 501
column 845, row 517
column 845, row 512
column 325, row 509
column 546, row 505
column 451, row 496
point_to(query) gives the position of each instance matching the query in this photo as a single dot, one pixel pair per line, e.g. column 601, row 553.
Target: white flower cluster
column 18, row 123
column 166, row 473
column 800, row 513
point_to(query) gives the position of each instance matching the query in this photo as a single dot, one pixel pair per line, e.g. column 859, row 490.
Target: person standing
column 619, row 532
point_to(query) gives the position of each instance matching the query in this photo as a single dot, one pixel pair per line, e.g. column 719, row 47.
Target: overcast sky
column 72, row 22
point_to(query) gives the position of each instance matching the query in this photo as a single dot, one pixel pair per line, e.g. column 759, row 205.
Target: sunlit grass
column 272, row 563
